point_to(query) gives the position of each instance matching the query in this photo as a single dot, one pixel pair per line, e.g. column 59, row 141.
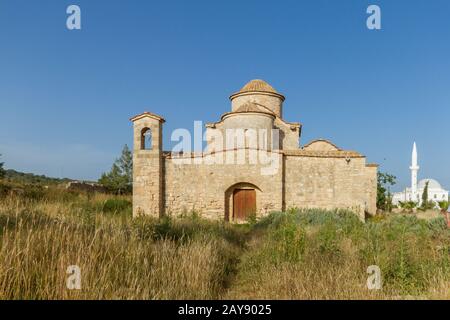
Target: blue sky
column 66, row 96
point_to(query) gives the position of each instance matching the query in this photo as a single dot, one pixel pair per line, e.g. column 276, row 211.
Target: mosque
column 435, row 191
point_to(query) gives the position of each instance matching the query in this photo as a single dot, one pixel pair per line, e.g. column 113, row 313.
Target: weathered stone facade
column 251, row 148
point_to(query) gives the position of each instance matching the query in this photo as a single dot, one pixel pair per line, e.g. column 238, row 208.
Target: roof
column 253, row 107
column 149, row 115
column 259, row 86
column 323, row 154
column 330, row 145
column 250, row 107
column 292, row 153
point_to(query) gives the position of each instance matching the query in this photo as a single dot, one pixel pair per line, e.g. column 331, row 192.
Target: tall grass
column 303, row 254
column 312, row 254
column 119, row 258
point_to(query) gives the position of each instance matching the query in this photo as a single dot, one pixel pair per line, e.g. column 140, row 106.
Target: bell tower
column 147, row 165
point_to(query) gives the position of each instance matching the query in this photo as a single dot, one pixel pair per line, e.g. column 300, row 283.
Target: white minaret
column 414, row 169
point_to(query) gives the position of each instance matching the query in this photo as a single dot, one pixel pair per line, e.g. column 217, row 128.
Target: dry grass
column 118, row 258
column 296, row 255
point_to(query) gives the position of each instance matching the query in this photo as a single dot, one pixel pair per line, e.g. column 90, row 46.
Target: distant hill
column 21, row 177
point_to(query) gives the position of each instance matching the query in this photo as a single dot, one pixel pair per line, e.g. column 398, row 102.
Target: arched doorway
column 241, row 201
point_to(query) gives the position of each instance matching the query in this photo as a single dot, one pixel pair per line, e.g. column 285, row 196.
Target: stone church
column 253, row 163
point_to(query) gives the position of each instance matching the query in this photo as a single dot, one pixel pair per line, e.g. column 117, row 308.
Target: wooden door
column 244, row 203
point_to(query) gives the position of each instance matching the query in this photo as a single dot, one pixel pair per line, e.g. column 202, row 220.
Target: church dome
column 258, row 86
column 433, row 184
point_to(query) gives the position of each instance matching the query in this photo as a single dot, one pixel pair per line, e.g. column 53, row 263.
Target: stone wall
column 319, row 182
column 289, row 134
column 300, row 181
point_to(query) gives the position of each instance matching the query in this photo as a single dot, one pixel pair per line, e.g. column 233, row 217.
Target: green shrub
column 56, row 194
column 4, row 189
column 289, row 243
column 438, row 225
column 328, row 238
column 252, row 219
column 443, row 205
column 33, row 192
column 116, row 206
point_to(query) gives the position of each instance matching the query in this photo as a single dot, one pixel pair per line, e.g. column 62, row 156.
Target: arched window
column 146, row 139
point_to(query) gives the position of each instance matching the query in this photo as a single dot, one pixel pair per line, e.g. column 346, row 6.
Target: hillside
column 21, row 177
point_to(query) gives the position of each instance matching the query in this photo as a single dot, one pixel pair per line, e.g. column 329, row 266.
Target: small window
column 435, row 196
column 146, row 139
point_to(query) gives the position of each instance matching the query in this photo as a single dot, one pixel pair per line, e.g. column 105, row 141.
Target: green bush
column 116, row 206
column 4, row 189
column 288, row 242
column 34, row 192
column 189, row 227
column 329, row 237
column 437, row 225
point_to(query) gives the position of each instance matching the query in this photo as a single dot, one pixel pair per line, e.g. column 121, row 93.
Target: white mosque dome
column 433, row 184
column 435, row 191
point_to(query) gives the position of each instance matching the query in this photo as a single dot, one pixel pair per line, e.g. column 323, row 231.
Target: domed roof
column 433, row 184
column 259, row 86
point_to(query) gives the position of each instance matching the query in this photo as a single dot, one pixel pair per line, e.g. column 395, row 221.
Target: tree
column 425, row 193
column 120, row 178
column 443, row 205
column 384, row 197
column 426, row 204
column 126, row 164
column 2, row 171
